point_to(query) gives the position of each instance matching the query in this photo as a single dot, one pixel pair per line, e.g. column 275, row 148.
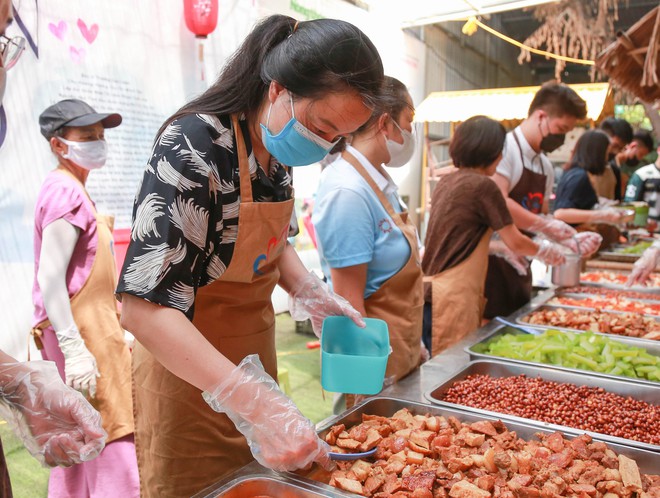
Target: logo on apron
column 533, row 202
column 273, row 242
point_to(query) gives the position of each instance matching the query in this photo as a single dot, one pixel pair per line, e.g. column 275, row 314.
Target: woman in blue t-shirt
column 576, row 201
column 369, row 248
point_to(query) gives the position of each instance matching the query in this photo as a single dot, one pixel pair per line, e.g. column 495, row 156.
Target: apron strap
column 352, row 160
column 36, row 333
column 243, row 163
column 522, row 157
column 82, row 186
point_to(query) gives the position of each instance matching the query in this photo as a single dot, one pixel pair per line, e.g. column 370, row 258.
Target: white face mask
column 400, row 154
column 3, row 82
column 88, row 155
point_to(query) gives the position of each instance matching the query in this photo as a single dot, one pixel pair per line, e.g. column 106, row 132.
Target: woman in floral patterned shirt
column 208, row 246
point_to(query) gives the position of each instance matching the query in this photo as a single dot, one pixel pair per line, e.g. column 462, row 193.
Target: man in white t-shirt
column 526, row 178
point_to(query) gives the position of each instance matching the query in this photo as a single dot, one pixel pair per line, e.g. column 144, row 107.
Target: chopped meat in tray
column 427, row 456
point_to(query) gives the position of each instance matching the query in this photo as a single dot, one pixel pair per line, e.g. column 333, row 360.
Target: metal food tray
column 636, row 340
column 612, row 285
column 639, row 391
column 254, row 481
column 591, row 308
column 617, row 256
column 647, row 461
column 653, row 349
column 577, row 295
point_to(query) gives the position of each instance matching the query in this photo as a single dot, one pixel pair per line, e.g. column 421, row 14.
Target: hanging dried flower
column 573, row 28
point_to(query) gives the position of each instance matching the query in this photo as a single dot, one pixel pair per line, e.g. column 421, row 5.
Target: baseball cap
column 74, row 112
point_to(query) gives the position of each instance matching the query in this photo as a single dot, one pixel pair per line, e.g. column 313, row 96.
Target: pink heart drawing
column 77, row 54
column 90, row 33
column 59, row 29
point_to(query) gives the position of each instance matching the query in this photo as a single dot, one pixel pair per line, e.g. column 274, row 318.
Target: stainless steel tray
column 648, row 461
column 655, row 297
column 653, row 349
column 617, row 256
column 254, row 481
column 576, row 295
column 591, row 308
column 644, row 392
column 638, row 340
column 612, row 285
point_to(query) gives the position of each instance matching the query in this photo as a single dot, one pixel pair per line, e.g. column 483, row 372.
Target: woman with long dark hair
column 209, row 244
column 576, row 201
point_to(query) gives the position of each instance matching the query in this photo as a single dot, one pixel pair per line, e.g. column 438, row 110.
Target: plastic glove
column 424, row 354
column 610, row 216
column 644, row 266
column 79, row 363
column 279, row 436
column 553, row 229
column 313, row 299
column 588, row 243
column 549, row 253
column 604, row 202
column 56, row 424
column 498, row 248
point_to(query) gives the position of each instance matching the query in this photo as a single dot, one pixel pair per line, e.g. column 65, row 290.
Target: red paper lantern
column 201, row 16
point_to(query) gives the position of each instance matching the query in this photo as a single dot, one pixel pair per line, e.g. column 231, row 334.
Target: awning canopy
column 499, row 103
column 633, row 60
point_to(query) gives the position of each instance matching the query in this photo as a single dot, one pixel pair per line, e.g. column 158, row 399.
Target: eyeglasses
column 11, row 50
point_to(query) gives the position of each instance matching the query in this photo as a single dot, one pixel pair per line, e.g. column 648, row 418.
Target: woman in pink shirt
column 75, row 319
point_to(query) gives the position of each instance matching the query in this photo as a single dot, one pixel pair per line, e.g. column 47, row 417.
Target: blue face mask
column 295, row 145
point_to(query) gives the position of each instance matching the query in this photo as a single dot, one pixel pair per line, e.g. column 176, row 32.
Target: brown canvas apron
column 604, row 185
column 506, row 290
column 182, row 445
column 94, row 309
column 5, row 483
column 399, row 301
column 458, row 298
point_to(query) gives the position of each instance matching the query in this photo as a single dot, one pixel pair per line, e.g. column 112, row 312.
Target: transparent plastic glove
column 549, row 253
column 312, row 298
column 644, row 266
column 424, row 354
column 588, row 243
column 553, row 229
column 79, row 363
column 279, row 436
column 609, row 216
column 498, row 248
column 604, row 202
column 56, row 424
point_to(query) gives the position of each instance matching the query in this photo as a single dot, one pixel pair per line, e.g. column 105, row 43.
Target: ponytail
column 309, row 58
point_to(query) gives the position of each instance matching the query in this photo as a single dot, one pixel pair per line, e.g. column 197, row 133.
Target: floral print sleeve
column 185, row 217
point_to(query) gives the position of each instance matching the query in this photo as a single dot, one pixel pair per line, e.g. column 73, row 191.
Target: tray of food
column 254, row 481
column 612, row 302
column 613, row 410
column 634, row 325
column 617, row 280
column 572, row 351
column 626, row 253
column 591, row 290
column 438, row 451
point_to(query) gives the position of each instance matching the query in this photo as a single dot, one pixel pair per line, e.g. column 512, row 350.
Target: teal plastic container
column 353, row 360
